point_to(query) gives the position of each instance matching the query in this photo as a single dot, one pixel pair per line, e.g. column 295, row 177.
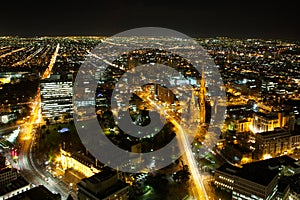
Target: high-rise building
column 56, row 97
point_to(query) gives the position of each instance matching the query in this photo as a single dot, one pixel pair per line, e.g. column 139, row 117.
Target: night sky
column 237, row 19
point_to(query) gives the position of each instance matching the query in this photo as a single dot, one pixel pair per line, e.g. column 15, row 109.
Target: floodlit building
column 78, row 162
column 272, row 143
column 263, row 122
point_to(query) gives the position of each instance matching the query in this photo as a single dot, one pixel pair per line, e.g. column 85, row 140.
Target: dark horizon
column 234, row 19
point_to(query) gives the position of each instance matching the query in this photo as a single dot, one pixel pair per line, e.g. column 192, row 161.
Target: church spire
column 202, row 98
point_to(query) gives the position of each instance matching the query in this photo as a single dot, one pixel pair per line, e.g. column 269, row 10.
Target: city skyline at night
column 260, row 134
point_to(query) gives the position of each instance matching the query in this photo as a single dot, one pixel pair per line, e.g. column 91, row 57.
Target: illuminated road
column 9, row 53
column 51, row 64
column 197, row 189
column 34, row 174
column 27, row 58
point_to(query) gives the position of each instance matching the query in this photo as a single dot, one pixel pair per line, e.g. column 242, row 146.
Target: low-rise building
column 7, row 175
column 37, row 193
column 14, row 188
column 260, row 180
column 247, row 183
column 272, row 143
column 105, row 185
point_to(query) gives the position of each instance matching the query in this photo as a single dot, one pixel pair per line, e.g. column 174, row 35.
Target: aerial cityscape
column 252, row 123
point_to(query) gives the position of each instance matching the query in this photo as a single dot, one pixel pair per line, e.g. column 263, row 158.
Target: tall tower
column 202, row 98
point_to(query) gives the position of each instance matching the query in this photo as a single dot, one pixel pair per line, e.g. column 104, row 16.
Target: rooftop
column 272, row 115
column 268, row 169
column 276, row 131
column 13, row 185
column 37, row 193
column 105, row 174
column 256, row 174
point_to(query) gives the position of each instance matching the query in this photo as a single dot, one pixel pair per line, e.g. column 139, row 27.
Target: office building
column 247, row 183
column 260, row 180
column 56, row 97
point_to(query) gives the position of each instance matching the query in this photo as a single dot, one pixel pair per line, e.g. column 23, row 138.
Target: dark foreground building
column 104, row 185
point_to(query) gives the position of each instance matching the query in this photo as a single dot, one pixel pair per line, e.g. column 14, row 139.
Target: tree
column 43, row 128
column 47, row 122
column 56, row 118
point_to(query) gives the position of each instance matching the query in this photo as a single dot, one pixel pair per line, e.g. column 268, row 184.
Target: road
column 9, row 53
column 52, row 62
column 33, row 173
column 21, row 62
column 197, row 187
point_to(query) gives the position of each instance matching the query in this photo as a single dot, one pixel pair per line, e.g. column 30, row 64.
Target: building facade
column 263, row 122
column 56, row 97
column 272, row 143
column 7, row 175
column 246, row 184
column 69, row 161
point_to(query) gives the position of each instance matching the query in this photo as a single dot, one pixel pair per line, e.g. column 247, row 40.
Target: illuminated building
column 14, row 77
column 56, row 97
column 247, row 183
column 243, row 125
column 164, row 94
column 295, row 140
column 263, row 122
column 268, row 85
column 77, row 163
column 194, row 110
column 272, row 143
column 266, row 179
column 202, row 98
column 104, row 185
